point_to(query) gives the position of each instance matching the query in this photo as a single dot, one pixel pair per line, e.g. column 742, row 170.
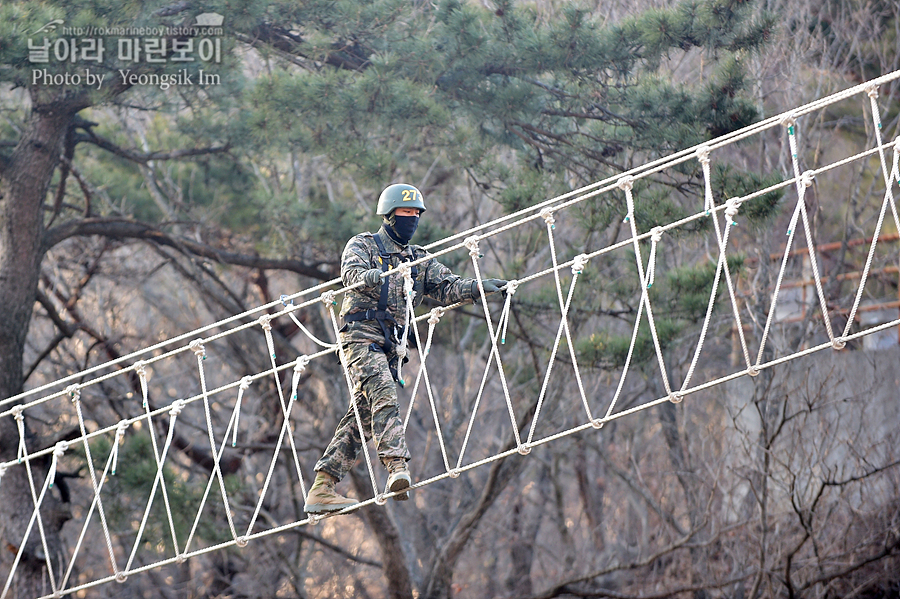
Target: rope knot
column 872, row 91
column 656, row 234
column 328, row 298
column 547, row 215
column 299, row 367
column 788, row 120
column 140, row 367
column 197, row 347
column 401, row 352
column 703, row 154
column 241, row 541
column 74, row 391
column 472, row 244
column 806, row 179
column 512, row 286
column 676, row 397
column 177, row 407
column 245, row 383
column 265, row 321
column 121, row 428
column 435, row 317
column 626, row 183
column 17, row 413
column 838, row 343
column 731, row 209
column 60, row 449
column 753, row 371
column 578, row 264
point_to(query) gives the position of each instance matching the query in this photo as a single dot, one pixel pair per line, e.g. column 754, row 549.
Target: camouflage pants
column 375, row 395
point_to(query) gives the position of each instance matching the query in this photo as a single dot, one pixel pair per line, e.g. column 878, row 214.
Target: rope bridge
column 723, row 217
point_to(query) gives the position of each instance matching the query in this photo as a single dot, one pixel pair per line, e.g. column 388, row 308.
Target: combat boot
column 323, row 499
column 398, row 478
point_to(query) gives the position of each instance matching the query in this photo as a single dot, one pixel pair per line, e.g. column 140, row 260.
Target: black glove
column 372, row 277
column 490, row 286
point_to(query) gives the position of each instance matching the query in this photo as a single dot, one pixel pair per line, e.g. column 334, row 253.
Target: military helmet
column 399, row 195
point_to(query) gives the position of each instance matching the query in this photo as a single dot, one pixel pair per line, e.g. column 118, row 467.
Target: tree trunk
column 24, row 181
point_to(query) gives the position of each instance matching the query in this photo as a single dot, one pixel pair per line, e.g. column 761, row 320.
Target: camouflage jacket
column 433, row 280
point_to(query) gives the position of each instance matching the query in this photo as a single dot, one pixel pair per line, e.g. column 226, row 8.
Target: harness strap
column 381, row 315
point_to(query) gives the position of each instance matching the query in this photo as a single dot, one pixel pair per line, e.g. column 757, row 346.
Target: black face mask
column 403, row 228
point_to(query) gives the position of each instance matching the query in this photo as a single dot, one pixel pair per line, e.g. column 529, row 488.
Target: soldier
column 374, row 315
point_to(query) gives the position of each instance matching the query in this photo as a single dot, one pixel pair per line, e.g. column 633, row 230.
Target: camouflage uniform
column 362, row 345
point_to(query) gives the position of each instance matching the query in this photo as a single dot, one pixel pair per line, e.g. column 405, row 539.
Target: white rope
column 511, row 288
column 731, row 209
column 35, row 517
column 151, row 430
column 299, row 366
column 409, row 294
column 434, row 318
column 200, row 353
column 245, row 384
column 889, row 176
column 563, row 326
column 95, row 503
column 627, row 184
column 472, row 244
column 289, row 305
column 95, row 483
column 517, row 218
column 174, row 411
column 330, row 303
column 265, row 322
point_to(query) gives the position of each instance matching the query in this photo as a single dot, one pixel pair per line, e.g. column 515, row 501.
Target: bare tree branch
column 123, row 228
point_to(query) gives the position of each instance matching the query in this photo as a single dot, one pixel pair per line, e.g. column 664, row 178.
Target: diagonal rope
column 140, row 368
column 200, row 351
column 433, row 320
column 472, row 245
column 889, row 176
column 627, row 184
column 563, row 326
